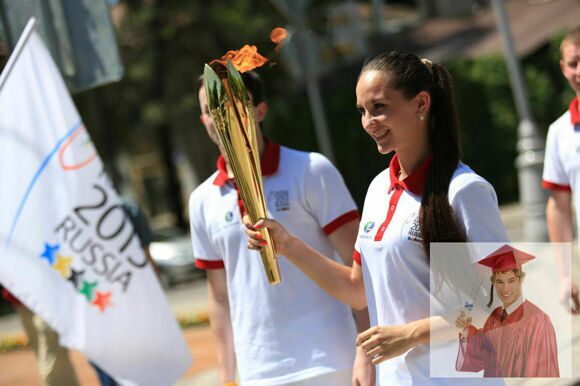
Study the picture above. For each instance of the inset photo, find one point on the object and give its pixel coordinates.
(499, 310)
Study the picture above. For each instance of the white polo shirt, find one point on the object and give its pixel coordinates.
(395, 266)
(562, 159)
(294, 330)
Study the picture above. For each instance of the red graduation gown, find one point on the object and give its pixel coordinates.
(524, 345)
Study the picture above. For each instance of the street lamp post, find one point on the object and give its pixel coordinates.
(530, 145)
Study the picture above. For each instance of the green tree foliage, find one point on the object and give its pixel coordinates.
(488, 114)
(488, 120)
(153, 110)
(165, 44)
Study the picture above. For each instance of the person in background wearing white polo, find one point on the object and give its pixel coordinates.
(562, 165)
(426, 195)
(293, 333)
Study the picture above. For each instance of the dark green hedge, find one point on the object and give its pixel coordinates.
(488, 114)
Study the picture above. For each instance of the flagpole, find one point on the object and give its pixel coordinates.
(17, 50)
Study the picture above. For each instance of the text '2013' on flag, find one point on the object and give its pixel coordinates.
(67, 249)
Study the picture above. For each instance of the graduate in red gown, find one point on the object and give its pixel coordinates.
(517, 339)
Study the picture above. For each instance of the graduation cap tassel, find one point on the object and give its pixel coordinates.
(490, 296)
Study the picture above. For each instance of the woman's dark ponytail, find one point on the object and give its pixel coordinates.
(411, 75)
(436, 217)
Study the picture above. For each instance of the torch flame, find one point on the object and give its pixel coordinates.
(278, 36)
(245, 59)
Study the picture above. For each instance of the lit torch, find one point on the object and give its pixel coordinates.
(232, 113)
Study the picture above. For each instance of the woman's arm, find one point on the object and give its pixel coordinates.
(343, 283)
(385, 342)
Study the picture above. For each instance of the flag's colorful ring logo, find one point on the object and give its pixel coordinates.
(66, 145)
(56, 149)
(229, 216)
(369, 226)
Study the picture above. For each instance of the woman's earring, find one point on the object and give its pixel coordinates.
(422, 117)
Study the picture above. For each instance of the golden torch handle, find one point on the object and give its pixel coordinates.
(233, 118)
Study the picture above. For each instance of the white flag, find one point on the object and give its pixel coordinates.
(67, 249)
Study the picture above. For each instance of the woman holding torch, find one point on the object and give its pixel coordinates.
(425, 195)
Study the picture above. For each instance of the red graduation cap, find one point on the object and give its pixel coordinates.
(506, 258)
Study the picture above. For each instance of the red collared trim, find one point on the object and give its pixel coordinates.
(340, 221)
(222, 176)
(209, 264)
(390, 212)
(271, 159)
(7, 295)
(558, 187)
(415, 182)
(357, 257)
(269, 163)
(241, 205)
(574, 113)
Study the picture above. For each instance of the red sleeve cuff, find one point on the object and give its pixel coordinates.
(552, 186)
(356, 257)
(209, 264)
(10, 298)
(340, 221)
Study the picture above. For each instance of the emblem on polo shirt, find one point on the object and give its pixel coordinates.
(414, 232)
(369, 226)
(279, 200)
(229, 216)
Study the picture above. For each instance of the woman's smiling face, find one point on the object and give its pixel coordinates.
(387, 116)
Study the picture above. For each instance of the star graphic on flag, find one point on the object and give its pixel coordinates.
(62, 265)
(103, 300)
(49, 252)
(75, 277)
(88, 288)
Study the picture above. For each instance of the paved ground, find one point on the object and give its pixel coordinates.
(19, 368)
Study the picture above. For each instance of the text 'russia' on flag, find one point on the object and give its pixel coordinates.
(67, 249)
